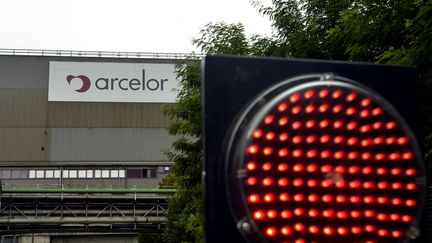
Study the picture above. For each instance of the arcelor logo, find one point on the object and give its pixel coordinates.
(85, 82)
(120, 83)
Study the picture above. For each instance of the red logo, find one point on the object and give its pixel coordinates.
(85, 82)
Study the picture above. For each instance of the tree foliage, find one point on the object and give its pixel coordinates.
(185, 216)
(391, 31)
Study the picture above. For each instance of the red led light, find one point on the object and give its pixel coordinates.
(337, 108)
(298, 167)
(355, 184)
(339, 155)
(267, 166)
(355, 214)
(311, 153)
(257, 133)
(296, 125)
(406, 218)
(298, 197)
(297, 139)
(286, 230)
(296, 110)
(356, 230)
(283, 182)
(366, 102)
(297, 153)
(282, 107)
(354, 169)
(328, 230)
(364, 113)
(283, 121)
(394, 156)
(297, 182)
(299, 227)
(267, 151)
(325, 154)
(410, 203)
(312, 168)
(341, 199)
(378, 140)
(295, 97)
(369, 213)
(271, 214)
(396, 201)
(366, 156)
(351, 96)
(313, 213)
(310, 139)
(353, 155)
(254, 198)
(283, 137)
(258, 215)
(355, 199)
(382, 217)
(252, 149)
(383, 185)
(351, 125)
(377, 111)
(251, 181)
(268, 119)
(323, 108)
(284, 197)
(368, 199)
(411, 172)
(365, 128)
(402, 140)
(370, 228)
(285, 214)
(309, 94)
(270, 136)
(324, 138)
(337, 94)
(380, 156)
(313, 198)
(395, 217)
(268, 197)
(323, 93)
(366, 142)
(350, 111)
(327, 198)
(326, 168)
(342, 215)
(313, 229)
(338, 139)
(342, 230)
(352, 141)
(411, 186)
(328, 213)
(368, 185)
(340, 169)
(310, 124)
(377, 125)
(382, 200)
(283, 152)
(383, 232)
(282, 167)
(327, 183)
(267, 181)
(407, 156)
(396, 233)
(312, 183)
(390, 125)
(271, 231)
(251, 165)
(381, 171)
(310, 108)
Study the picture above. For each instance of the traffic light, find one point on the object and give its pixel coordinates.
(311, 151)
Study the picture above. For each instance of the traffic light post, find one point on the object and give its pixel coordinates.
(311, 151)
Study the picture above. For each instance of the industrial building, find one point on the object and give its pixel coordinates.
(73, 121)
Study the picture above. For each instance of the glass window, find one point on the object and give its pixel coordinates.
(65, 173)
(105, 173)
(40, 174)
(114, 173)
(49, 174)
(98, 173)
(5, 174)
(133, 173)
(24, 174)
(57, 174)
(82, 173)
(16, 174)
(32, 174)
(166, 168)
(72, 174)
(89, 173)
(122, 173)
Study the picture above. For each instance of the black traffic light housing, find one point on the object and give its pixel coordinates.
(231, 84)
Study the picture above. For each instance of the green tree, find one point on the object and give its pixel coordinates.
(185, 216)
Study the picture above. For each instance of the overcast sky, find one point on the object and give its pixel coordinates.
(122, 25)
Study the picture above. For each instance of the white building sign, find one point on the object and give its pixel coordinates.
(112, 82)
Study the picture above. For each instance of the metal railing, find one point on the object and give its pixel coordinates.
(104, 54)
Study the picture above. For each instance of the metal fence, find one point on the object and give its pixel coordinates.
(105, 54)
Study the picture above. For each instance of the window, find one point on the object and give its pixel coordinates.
(65, 173)
(133, 173)
(49, 174)
(5, 174)
(72, 174)
(105, 173)
(57, 174)
(40, 174)
(166, 168)
(114, 173)
(122, 173)
(82, 173)
(98, 173)
(89, 173)
(32, 174)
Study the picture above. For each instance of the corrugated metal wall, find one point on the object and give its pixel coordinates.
(35, 130)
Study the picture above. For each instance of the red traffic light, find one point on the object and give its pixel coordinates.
(313, 158)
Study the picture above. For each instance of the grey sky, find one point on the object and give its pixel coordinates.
(127, 25)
